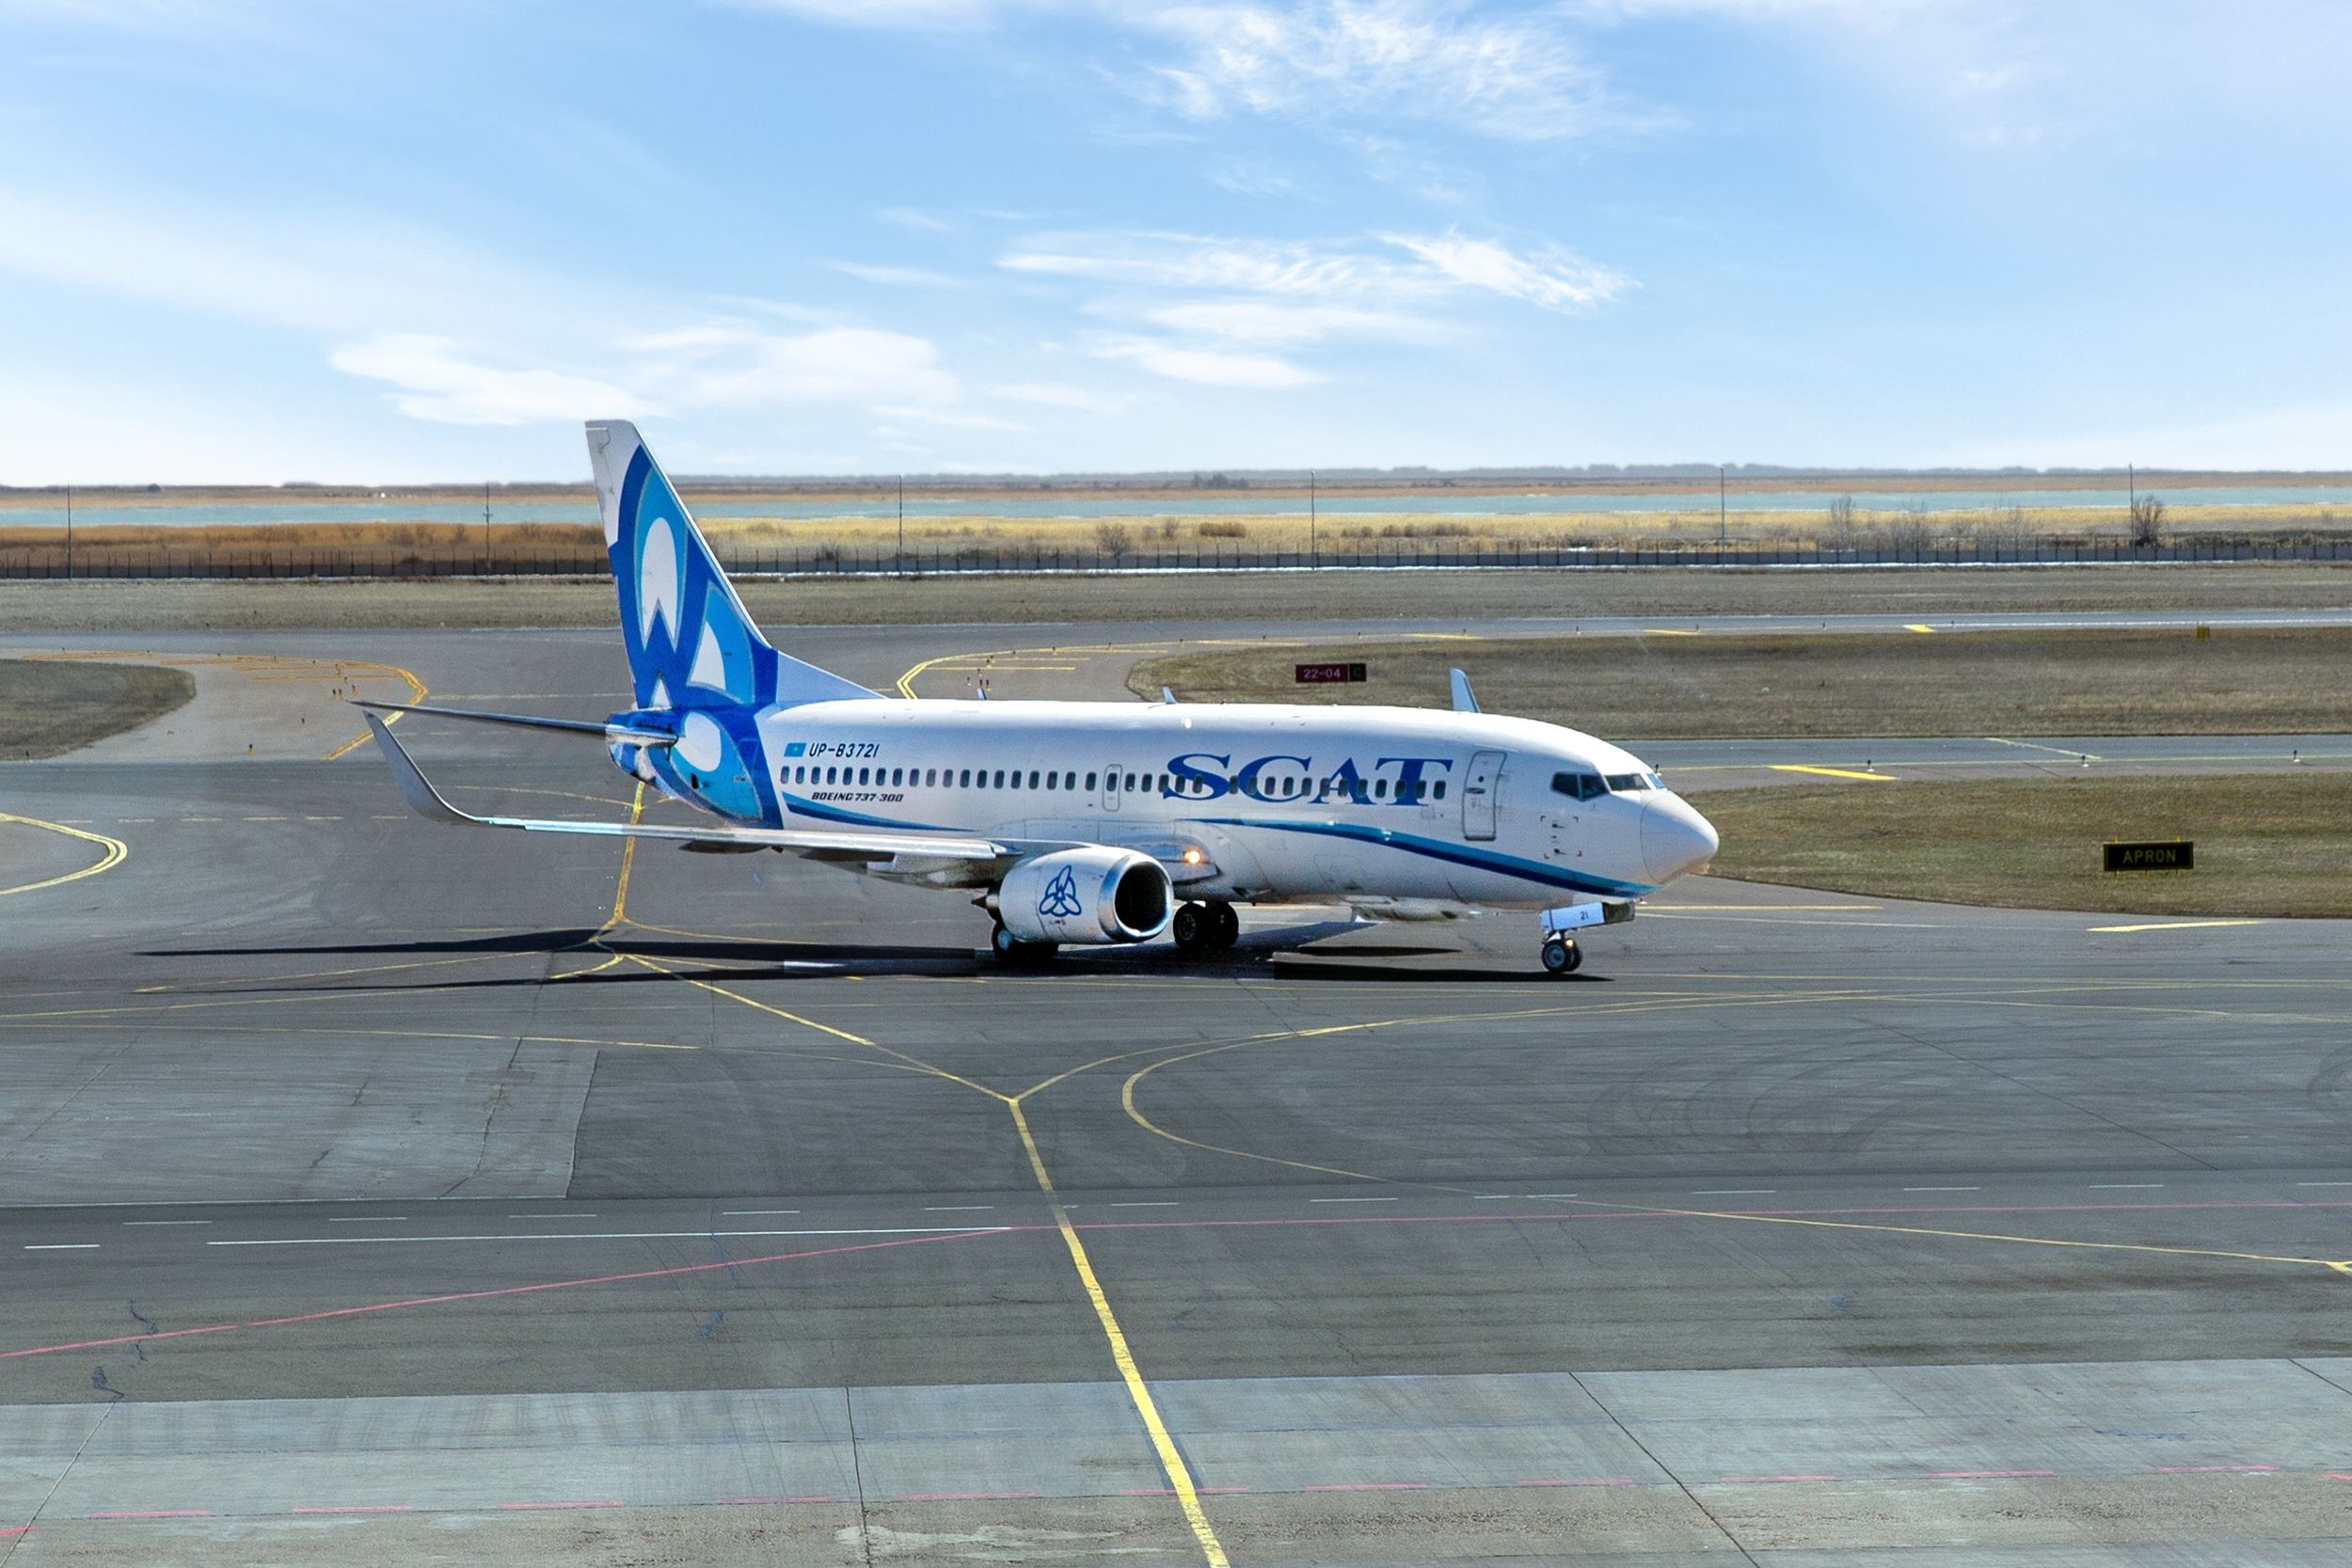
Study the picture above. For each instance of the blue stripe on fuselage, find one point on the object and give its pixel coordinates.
(1481, 860)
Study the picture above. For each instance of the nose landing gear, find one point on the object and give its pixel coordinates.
(1562, 956)
(1206, 929)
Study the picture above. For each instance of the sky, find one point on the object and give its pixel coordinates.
(324, 241)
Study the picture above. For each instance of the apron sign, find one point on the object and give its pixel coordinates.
(2177, 855)
(1316, 674)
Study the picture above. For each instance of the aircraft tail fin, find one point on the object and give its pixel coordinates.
(690, 642)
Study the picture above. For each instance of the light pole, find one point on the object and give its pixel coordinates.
(69, 532)
(1723, 522)
(485, 527)
(902, 524)
(1314, 556)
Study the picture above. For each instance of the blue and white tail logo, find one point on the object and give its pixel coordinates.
(1060, 900)
(690, 642)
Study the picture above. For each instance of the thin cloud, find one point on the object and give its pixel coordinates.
(1554, 278)
(898, 277)
(1514, 78)
(1206, 367)
(438, 381)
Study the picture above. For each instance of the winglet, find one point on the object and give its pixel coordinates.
(1167, 696)
(1463, 701)
(414, 787)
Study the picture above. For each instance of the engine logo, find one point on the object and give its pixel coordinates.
(1061, 898)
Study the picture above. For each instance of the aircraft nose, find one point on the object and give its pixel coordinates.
(1674, 837)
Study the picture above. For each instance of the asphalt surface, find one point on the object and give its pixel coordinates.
(376, 1189)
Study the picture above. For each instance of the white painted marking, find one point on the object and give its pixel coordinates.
(608, 1236)
(62, 1247)
(2323, 1183)
(1551, 1195)
(1489, 1198)
(1351, 1200)
(127, 1224)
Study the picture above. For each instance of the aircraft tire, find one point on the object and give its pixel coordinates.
(1225, 927)
(1562, 958)
(1194, 928)
(1012, 951)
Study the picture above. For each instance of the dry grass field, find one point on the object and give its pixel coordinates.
(48, 708)
(2269, 680)
(2268, 844)
(867, 529)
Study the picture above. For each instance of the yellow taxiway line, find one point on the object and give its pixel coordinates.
(114, 852)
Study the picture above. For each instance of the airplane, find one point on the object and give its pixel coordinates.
(1090, 823)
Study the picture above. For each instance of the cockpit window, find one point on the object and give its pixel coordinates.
(1630, 783)
(1579, 786)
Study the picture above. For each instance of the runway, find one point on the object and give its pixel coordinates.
(381, 1190)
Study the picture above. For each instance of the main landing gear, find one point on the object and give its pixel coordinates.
(1013, 952)
(1206, 928)
(1562, 956)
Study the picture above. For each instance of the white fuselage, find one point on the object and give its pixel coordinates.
(1372, 805)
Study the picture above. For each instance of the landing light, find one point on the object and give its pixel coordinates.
(1192, 857)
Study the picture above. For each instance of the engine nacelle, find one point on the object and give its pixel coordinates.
(1096, 895)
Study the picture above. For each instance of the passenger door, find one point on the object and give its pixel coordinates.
(1111, 788)
(1478, 794)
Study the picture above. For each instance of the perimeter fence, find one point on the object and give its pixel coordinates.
(142, 563)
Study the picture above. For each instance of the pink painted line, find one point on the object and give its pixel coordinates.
(961, 1497)
(1209, 1491)
(157, 1514)
(1579, 1481)
(20, 1529)
(2331, 1476)
(1773, 1479)
(1370, 1486)
(501, 1290)
(1982, 1475)
(2213, 1470)
(604, 1502)
(357, 1507)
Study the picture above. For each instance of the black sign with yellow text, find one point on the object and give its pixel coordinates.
(2178, 855)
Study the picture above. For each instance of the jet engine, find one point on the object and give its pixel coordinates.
(1095, 894)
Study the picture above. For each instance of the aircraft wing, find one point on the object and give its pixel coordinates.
(428, 802)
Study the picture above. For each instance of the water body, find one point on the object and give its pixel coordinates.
(1216, 504)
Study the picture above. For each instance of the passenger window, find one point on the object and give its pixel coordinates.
(1380, 789)
(862, 775)
(1130, 783)
(1000, 778)
(1033, 778)
(1089, 783)
(1052, 781)
(1441, 790)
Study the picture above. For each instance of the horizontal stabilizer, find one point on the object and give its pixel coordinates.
(529, 720)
